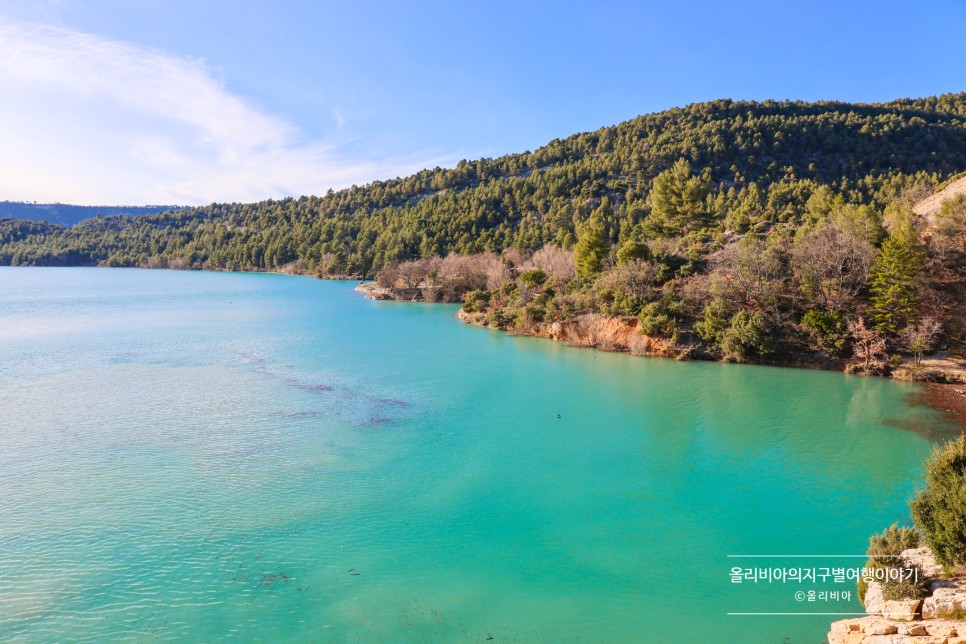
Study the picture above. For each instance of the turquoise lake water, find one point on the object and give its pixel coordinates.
(196, 456)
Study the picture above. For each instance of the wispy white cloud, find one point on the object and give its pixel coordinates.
(90, 120)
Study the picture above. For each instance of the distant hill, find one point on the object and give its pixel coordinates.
(779, 232)
(761, 164)
(68, 215)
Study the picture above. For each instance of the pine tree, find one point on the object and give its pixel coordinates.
(592, 248)
(894, 280)
(678, 201)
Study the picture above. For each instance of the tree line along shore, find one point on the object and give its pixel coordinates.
(823, 234)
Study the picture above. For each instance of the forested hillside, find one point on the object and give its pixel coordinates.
(68, 214)
(768, 232)
(757, 164)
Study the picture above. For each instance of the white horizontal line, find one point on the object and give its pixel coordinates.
(812, 556)
(753, 614)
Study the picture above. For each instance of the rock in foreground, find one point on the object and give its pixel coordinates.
(933, 620)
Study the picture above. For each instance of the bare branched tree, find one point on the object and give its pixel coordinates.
(496, 271)
(556, 262)
(635, 278)
(449, 279)
(920, 338)
(867, 346)
(389, 275)
(833, 264)
(518, 259)
(753, 271)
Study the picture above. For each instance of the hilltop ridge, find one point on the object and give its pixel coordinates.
(764, 161)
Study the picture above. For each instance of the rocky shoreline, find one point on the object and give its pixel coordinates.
(934, 619)
(593, 331)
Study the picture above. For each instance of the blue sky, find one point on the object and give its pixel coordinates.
(173, 101)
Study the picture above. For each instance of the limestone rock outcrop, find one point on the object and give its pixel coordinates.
(948, 598)
(878, 630)
(937, 619)
(595, 331)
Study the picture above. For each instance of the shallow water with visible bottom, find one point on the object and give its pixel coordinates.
(200, 456)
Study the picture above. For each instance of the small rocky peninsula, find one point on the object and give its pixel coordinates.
(937, 618)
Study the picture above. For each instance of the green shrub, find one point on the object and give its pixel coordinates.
(498, 318)
(713, 323)
(883, 547)
(655, 320)
(536, 313)
(957, 614)
(901, 588)
(665, 272)
(533, 278)
(688, 268)
(940, 510)
(675, 338)
(882, 550)
(622, 303)
(745, 336)
(544, 298)
(829, 330)
(476, 301)
(633, 251)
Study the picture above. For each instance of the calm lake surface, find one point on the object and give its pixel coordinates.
(198, 456)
